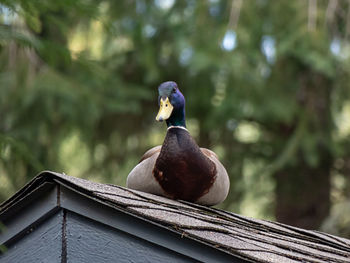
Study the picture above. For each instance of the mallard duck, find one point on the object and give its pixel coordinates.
(179, 169)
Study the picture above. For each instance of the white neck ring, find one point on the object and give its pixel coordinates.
(179, 127)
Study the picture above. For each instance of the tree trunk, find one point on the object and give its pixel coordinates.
(303, 186)
(303, 194)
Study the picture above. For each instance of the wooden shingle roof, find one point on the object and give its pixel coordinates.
(245, 238)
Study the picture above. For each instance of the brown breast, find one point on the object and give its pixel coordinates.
(181, 169)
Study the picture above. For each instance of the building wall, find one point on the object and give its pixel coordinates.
(90, 241)
(70, 237)
(40, 244)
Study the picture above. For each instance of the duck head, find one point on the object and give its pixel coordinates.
(171, 104)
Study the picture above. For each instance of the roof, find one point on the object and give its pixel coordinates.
(246, 238)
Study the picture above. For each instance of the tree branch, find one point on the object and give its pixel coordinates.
(312, 15)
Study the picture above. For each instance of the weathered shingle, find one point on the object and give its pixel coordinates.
(252, 239)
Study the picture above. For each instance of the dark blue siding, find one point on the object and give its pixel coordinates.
(90, 241)
(41, 244)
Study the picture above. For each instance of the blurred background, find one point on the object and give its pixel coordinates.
(267, 86)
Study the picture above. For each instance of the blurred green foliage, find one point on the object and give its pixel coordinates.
(266, 85)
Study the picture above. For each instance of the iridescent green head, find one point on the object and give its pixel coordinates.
(171, 104)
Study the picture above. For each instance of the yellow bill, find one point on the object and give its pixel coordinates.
(165, 110)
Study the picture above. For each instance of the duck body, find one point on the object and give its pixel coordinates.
(179, 169)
